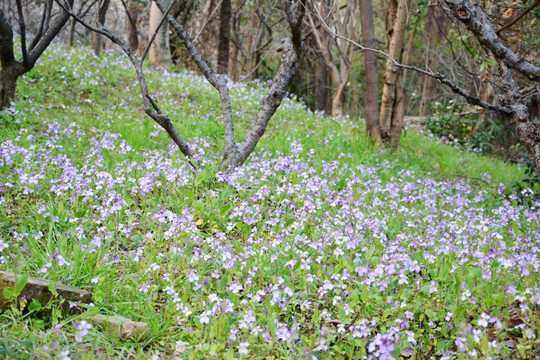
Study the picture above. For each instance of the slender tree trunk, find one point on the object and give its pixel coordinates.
(371, 101)
(97, 40)
(71, 32)
(391, 115)
(337, 100)
(160, 52)
(131, 29)
(224, 37)
(321, 86)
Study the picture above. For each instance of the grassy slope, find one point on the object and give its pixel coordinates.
(101, 97)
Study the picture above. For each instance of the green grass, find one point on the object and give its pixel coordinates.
(414, 202)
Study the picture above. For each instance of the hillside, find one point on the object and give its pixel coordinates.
(323, 245)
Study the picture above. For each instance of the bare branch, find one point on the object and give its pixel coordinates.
(476, 20)
(49, 34)
(41, 25)
(219, 82)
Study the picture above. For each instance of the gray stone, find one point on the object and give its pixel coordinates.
(120, 327)
(408, 351)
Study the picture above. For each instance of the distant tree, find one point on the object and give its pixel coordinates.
(335, 53)
(371, 102)
(101, 14)
(11, 68)
(160, 51)
(225, 16)
(511, 104)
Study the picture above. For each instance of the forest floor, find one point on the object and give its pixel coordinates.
(322, 246)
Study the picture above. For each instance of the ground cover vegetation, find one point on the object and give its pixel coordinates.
(322, 245)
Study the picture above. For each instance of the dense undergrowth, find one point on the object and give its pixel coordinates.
(322, 246)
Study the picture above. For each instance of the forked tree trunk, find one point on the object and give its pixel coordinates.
(224, 37)
(160, 52)
(391, 115)
(371, 102)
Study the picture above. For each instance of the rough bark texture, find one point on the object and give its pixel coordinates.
(224, 37)
(97, 41)
(160, 52)
(8, 83)
(371, 102)
(391, 115)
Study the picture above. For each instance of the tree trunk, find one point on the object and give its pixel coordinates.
(131, 29)
(97, 40)
(160, 52)
(337, 100)
(391, 115)
(371, 102)
(71, 32)
(224, 37)
(321, 85)
(8, 83)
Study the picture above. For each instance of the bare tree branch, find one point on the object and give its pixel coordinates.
(219, 82)
(476, 20)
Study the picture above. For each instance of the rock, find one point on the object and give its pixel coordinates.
(408, 351)
(38, 289)
(508, 343)
(120, 327)
(180, 348)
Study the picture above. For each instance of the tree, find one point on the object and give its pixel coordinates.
(371, 102)
(160, 52)
(225, 16)
(336, 53)
(11, 69)
(103, 6)
(393, 95)
(512, 106)
(234, 154)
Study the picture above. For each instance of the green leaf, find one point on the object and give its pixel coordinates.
(21, 283)
(34, 305)
(458, 314)
(9, 293)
